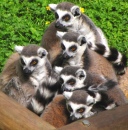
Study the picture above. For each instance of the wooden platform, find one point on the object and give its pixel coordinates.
(15, 117)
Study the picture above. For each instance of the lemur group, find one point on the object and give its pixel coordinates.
(74, 59)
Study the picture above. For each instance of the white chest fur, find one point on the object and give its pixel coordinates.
(77, 59)
(39, 77)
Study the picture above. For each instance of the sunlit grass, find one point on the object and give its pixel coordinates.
(24, 21)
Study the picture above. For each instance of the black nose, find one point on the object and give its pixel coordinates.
(73, 118)
(66, 56)
(64, 89)
(57, 25)
(27, 71)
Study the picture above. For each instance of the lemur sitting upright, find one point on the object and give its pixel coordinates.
(75, 78)
(31, 80)
(69, 18)
(83, 104)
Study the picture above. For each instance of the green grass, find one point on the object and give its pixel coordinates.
(24, 21)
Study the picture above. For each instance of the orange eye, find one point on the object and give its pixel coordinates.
(81, 110)
(72, 83)
(66, 18)
(73, 48)
(34, 62)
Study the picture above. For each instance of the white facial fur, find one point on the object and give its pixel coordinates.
(27, 61)
(75, 59)
(38, 71)
(79, 83)
(68, 45)
(62, 13)
(76, 106)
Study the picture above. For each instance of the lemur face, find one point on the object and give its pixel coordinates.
(72, 82)
(64, 19)
(79, 104)
(69, 49)
(31, 58)
(65, 14)
(72, 43)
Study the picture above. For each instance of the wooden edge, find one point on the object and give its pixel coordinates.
(15, 117)
(116, 119)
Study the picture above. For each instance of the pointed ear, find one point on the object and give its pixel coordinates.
(41, 52)
(90, 100)
(60, 34)
(75, 11)
(67, 95)
(18, 49)
(53, 7)
(81, 74)
(58, 69)
(81, 40)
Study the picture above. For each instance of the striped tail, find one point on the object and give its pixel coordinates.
(118, 60)
(42, 98)
(109, 84)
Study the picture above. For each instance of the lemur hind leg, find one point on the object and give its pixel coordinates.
(13, 89)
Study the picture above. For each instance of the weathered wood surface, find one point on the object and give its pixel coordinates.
(116, 119)
(15, 117)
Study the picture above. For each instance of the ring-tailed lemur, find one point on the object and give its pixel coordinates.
(74, 50)
(83, 104)
(69, 18)
(75, 78)
(53, 46)
(68, 42)
(33, 77)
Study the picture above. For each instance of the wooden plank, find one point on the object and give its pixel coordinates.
(116, 119)
(15, 117)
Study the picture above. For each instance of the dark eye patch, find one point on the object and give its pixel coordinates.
(56, 15)
(69, 108)
(90, 104)
(62, 46)
(66, 17)
(22, 61)
(81, 110)
(34, 62)
(61, 81)
(71, 81)
(73, 48)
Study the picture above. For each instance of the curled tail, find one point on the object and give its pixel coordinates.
(109, 84)
(103, 100)
(118, 60)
